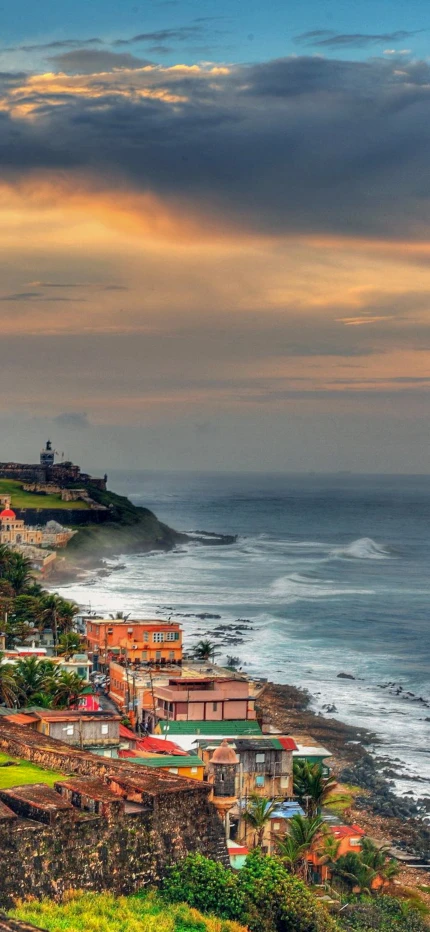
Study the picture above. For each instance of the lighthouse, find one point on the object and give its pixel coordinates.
(47, 455)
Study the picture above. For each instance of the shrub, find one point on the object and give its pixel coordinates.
(384, 913)
(263, 895)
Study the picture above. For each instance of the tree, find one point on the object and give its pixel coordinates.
(378, 860)
(312, 788)
(34, 676)
(9, 689)
(295, 847)
(19, 572)
(352, 874)
(57, 613)
(204, 650)
(257, 814)
(68, 644)
(119, 616)
(67, 689)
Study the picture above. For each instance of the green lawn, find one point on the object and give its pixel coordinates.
(23, 772)
(21, 499)
(102, 912)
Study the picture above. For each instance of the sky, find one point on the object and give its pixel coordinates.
(215, 234)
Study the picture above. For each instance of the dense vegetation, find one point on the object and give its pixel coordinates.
(106, 913)
(384, 913)
(263, 895)
(26, 609)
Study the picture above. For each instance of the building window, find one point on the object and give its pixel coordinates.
(172, 636)
(259, 780)
(276, 826)
(70, 729)
(355, 842)
(158, 654)
(173, 770)
(105, 729)
(194, 769)
(215, 707)
(171, 654)
(260, 758)
(158, 636)
(145, 636)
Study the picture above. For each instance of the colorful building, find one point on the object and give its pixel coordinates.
(215, 699)
(151, 641)
(185, 765)
(265, 764)
(14, 531)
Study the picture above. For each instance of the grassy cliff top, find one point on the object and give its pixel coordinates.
(21, 772)
(22, 499)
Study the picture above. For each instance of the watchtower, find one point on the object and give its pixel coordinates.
(47, 455)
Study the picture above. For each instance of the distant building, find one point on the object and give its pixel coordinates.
(214, 699)
(151, 641)
(13, 530)
(47, 470)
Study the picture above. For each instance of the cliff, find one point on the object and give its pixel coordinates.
(128, 529)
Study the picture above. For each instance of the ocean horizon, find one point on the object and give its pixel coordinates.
(330, 571)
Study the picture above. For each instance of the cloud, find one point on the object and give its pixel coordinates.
(325, 38)
(297, 145)
(94, 61)
(179, 34)
(75, 420)
(56, 44)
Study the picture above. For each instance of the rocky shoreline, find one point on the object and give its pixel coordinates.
(394, 819)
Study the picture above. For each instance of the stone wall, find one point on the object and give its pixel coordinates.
(64, 516)
(114, 826)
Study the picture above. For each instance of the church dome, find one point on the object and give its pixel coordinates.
(7, 513)
(224, 754)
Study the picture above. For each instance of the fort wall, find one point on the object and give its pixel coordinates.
(111, 826)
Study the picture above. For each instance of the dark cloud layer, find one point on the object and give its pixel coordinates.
(294, 145)
(95, 61)
(325, 38)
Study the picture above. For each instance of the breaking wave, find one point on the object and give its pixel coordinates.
(296, 588)
(362, 549)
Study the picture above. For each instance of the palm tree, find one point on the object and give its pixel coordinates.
(69, 644)
(378, 860)
(34, 676)
(353, 875)
(302, 835)
(57, 613)
(67, 689)
(204, 650)
(312, 788)
(19, 572)
(119, 616)
(9, 689)
(257, 814)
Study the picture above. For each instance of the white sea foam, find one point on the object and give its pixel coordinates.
(362, 549)
(295, 587)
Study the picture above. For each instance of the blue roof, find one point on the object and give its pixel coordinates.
(287, 810)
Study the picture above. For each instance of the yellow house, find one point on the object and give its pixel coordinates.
(14, 531)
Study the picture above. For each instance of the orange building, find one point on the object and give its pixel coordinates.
(151, 641)
(349, 838)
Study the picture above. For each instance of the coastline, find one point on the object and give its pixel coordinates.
(385, 816)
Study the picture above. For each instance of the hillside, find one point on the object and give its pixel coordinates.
(129, 529)
(33, 500)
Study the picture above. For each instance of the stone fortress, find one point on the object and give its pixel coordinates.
(49, 473)
(109, 825)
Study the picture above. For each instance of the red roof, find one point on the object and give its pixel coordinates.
(126, 733)
(124, 753)
(160, 746)
(7, 513)
(288, 744)
(344, 831)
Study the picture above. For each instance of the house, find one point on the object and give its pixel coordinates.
(275, 828)
(266, 764)
(215, 699)
(93, 731)
(185, 765)
(349, 839)
(13, 530)
(188, 735)
(150, 641)
(313, 753)
(77, 663)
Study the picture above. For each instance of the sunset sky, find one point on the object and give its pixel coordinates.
(215, 233)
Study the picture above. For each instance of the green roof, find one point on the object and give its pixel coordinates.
(168, 760)
(224, 729)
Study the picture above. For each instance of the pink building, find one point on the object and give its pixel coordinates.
(204, 699)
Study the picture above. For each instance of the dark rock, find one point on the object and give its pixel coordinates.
(345, 676)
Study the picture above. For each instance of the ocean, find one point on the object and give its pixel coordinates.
(331, 572)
